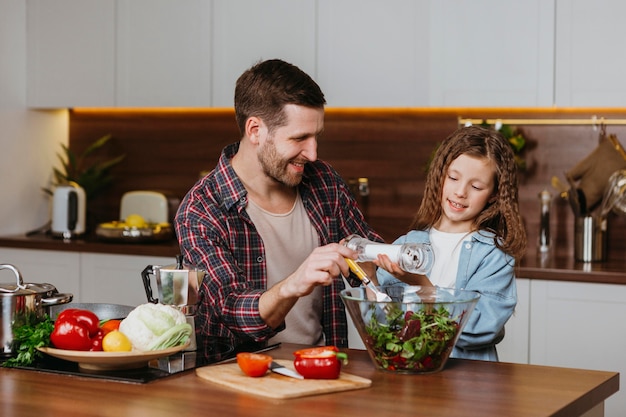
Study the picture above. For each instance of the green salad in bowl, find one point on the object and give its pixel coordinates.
(416, 331)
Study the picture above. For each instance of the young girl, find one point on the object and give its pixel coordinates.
(470, 215)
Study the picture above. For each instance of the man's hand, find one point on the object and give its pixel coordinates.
(320, 268)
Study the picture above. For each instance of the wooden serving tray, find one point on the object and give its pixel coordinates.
(276, 386)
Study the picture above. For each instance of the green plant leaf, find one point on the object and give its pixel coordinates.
(93, 178)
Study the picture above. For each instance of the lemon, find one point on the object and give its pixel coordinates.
(136, 220)
(116, 341)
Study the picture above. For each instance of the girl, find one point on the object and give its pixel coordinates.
(470, 215)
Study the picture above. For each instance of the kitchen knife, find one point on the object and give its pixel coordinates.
(283, 370)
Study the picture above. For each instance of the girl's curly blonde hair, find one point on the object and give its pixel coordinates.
(501, 214)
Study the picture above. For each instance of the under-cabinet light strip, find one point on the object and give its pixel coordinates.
(594, 121)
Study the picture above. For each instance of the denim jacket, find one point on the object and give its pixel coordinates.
(483, 268)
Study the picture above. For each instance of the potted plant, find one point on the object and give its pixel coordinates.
(92, 178)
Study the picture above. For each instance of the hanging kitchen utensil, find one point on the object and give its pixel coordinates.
(593, 172)
(614, 194)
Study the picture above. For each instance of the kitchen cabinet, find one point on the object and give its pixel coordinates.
(590, 64)
(61, 269)
(163, 53)
(400, 53)
(374, 53)
(124, 53)
(90, 277)
(116, 278)
(491, 53)
(514, 346)
(70, 53)
(403, 53)
(247, 31)
(578, 325)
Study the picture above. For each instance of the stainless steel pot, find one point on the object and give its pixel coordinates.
(20, 301)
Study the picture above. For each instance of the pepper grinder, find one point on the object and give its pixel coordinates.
(545, 199)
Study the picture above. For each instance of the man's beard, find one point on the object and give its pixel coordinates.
(275, 166)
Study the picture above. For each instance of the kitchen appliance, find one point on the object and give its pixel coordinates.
(20, 302)
(151, 205)
(177, 285)
(155, 210)
(68, 211)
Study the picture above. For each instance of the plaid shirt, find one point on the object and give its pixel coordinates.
(215, 233)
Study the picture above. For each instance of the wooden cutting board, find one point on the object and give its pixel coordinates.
(277, 386)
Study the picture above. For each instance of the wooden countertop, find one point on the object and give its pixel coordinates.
(558, 268)
(90, 244)
(463, 388)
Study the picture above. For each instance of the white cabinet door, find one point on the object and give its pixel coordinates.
(116, 278)
(491, 53)
(163, 53)
(70, 53)
(580, 325)
(374, 53)
(514, 346)
(247, 31)
(61, 269)
(590, 59)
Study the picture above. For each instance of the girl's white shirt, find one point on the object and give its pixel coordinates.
(446, 250)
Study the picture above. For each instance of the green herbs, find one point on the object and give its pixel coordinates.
(419, 340)
(31, 333)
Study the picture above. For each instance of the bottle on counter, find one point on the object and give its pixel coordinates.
(545, 198)
(416, 258)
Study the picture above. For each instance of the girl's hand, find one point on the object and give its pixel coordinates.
(394, 269)
(383, 261)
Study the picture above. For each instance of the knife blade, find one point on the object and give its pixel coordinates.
(283, 370)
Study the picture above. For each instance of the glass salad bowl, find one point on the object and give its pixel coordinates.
(415, 332)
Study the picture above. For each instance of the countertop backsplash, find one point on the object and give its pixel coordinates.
(168, 150)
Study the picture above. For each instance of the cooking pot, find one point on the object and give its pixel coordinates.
(20, 302)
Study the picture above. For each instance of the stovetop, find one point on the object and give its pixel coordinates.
(212, 351)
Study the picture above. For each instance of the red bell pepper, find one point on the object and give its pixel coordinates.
(76, 329)
(319, 362)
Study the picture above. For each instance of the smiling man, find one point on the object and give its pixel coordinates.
(267, 221)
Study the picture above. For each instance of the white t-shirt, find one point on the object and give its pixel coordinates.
(288, 239)
(447, 249)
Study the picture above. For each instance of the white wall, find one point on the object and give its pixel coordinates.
(29, 140)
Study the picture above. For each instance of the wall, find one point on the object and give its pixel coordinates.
(167, 150)
(28, 139)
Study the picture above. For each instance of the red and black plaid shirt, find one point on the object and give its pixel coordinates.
(215, 233)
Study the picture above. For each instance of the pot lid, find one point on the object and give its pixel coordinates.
(21, 288)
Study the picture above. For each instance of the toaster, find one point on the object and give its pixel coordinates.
(151, 205)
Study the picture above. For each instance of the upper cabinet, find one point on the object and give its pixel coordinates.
(590, 63)
(70, 53)
(491, 53)
(247, 31)
(374, 53)
(363, 53)
(126, 53)
(163, 53)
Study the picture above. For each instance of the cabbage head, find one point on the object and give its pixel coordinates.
(156, 327)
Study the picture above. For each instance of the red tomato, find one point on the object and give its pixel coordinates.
(254, 364)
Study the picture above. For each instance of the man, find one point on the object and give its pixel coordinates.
(267, 221)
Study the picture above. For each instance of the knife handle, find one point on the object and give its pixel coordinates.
(358, 271)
